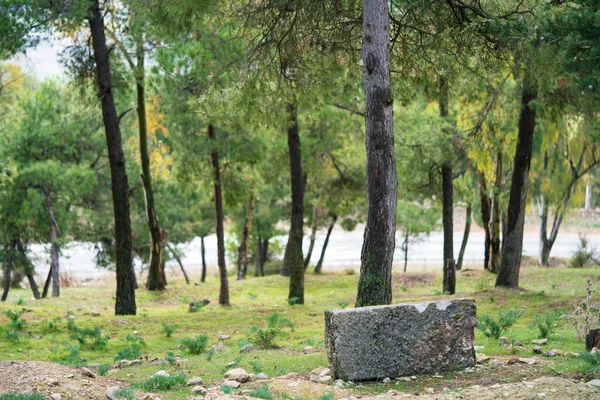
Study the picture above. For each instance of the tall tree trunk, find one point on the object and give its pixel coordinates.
(155, 277)
(496, 209)
(319, 266)
(512, 246)
(203, 252)
(313, 236)
(546, 242)
(377, 255)
(178, 259)
(224, 290)
(243, 247)
(542, 203)
(265, 256)
(257, 256)
(465, 239)
(54, 250)
(449, 280)
(485, 217)
(29, 270)
(125, 297)
(588, 196)
(47, 284)
(8, 270)
(293, 261)
(405, 249)
(447, 184)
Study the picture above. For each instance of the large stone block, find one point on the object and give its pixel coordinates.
(388, 341)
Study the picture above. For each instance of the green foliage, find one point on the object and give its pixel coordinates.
(226, 389)
(196, 306)
(256, 367)
(591, 362)
(170, 357)
(15, 326)
(494, 329)
(67, 354)
(343, 303)
(89, 338)
(168, 329)
(293, 300)
(195, 345)
(125, 393)
(50, 326)
(18, 396)
(584, 255)
(159, 383)
(265, 338)
(326, 396)
(104, 368)
(262, 392)
(133, 350)
(546, 323)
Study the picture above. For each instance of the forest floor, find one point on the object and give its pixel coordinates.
(45, 355)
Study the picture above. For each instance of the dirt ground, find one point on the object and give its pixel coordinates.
(50, 380)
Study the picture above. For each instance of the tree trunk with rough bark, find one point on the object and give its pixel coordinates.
(496, 209)
(313, 236)
(180, 263)
(485, 217)
(449, 280)
(8, 271)
(203, 253)
(405, 249)
(465, 239)
(54, 249)
(224, 289)
(243, 247)
(588, 196)
(447, 184)
(293, 260)
(512, 246)
(265, 256)
(125, 297)
(319, 266)
(47, 284)
(257, 256)
(377, 255)
(29, 270)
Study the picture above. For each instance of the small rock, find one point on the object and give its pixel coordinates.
(513, 360)
(537, 350)
(200, 390)
(528, 361)
(386, 380)
(231, 364)
(317, 371)
(404, 378)
(414, 377)
(325, 379)
(496, 363)
(95, 314)
(542, 394)
(219, 347)
(195, 381)
(87, 372)
(430, 390)
(135, 362)
(308, 349)
(573, 354)
(594, 350)
(262, 375)
(247, 348)
(56, 396)
(224, 337)
(481, 358)
(594, 382)
(233, 384)
(551, 353)
(69, 376)
(539, 342)
(338, 383)
(503, 341)
(478, 348)
(325, 372)
(149, 396)
(110, 393)
(237, 374)
(124, 363)
(206, 301)
(162, 372)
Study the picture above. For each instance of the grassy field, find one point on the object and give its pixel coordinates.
(46, 335)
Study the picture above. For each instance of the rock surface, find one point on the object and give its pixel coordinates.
(388, 341)
(238, 374)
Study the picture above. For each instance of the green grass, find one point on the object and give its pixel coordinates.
(14, 396)
(542, 291)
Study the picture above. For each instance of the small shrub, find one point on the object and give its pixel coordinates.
(21, 302)
(350, 271)
(50, 326)
(266, 337)
(584, 255)
(195, 345)
(170, 357)
(326, 396)
(585, 317)
(90, 338)
(210, 353)
(256, 367)
(495, 329)
(168, 329)
(293, 300)
(67, 354)
(125, 393)
(16, 322)
(483, 284)
(343, 304)
(591, 362)
(404, 288)
(545, 323)
(163, 383)
(103, 369)
(226, 389)
(133, 350)
(18, 396)
(262, 392)
(196, 306)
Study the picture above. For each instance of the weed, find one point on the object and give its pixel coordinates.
(50, 326)
(262, 392)
(195, 345)
(196, 306)
(226, 389)
(16, 322)
(584, 254)
(67, 354)
(81, 335)
(591, 362)
(495, 329)
(103, 369)
(326, 396)
(168, 329)
(492, 299)
(15, 396)
(349, 271)
(253, 296)
(21, 302)
(343, 304)
(483, 284)
(133, 350)
(125, 393)
(256, 367)
(585, 317)
(266, 337)
(163, 383)
(170, 357)
(404, 288)
(545, 323)
(210, 353)
(293, 300)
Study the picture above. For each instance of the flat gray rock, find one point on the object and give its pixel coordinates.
(389, 341)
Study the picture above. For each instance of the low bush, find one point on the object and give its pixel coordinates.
(195, 345)
(266, 337)
(495, 329)
(163, 383)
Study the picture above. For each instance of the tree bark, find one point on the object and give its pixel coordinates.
(465, 239)
(257, 256)
(224, 290)
(178, 259)
(29, 270)
(293, 261)
(264, 257)
(447, 184)
(485, 217)
(588, 196)
(495, 222)
(54, 249)
(8, 271)
(203, 251)
(512, 246)
(377, 255)
(405, 249)
(243, 247)
(47, 284)
(449, 281)
(319, 266)
(125, 297)
(313, 236)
